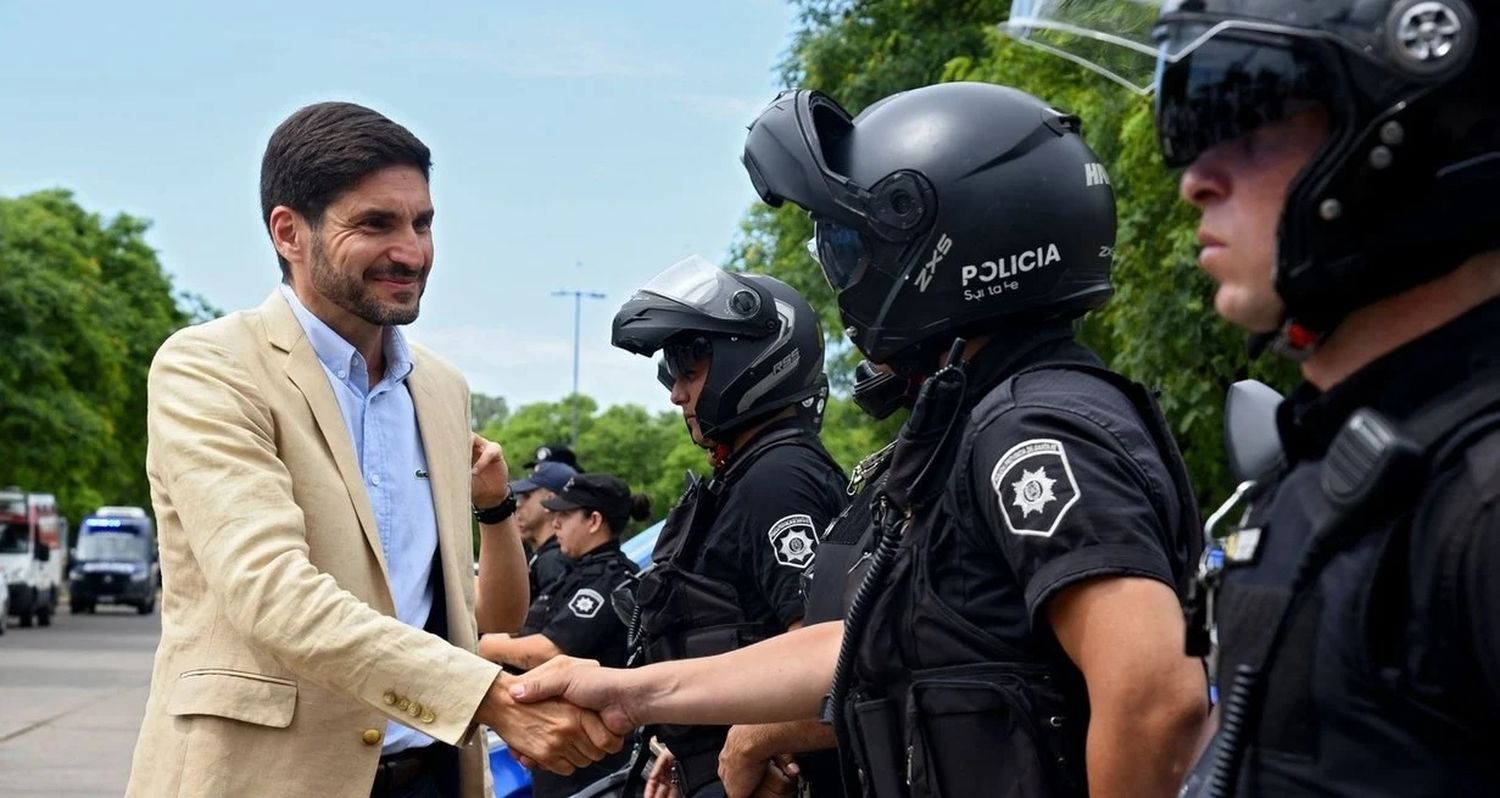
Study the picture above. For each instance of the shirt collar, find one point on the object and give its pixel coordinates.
(337, 353)
(1015, 350)
(602, 551)
(1397, 384)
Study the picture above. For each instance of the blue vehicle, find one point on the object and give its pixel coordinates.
(115, 561)
(512, 780)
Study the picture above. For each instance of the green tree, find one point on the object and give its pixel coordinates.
(84, 304)
(487, 411)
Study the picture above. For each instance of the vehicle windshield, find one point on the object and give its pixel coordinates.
(14, 538)
(112, 546)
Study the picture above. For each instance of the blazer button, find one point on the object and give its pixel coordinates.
(403, 704)
(389, 698)
(415, 710)
(371, 736)
(427, 716)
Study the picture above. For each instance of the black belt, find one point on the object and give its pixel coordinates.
(400, 770)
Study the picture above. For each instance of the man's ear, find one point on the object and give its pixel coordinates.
(290, 234)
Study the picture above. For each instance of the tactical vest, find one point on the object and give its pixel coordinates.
(682, 614)
(940, 708)
(1325, 694)
(843, 557)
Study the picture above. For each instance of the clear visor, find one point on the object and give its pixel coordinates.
(1123, 40)
(1111, 37)
(700, 285)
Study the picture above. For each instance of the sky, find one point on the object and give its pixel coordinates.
(576, 145)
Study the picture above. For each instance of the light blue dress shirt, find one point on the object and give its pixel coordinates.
(382, 423)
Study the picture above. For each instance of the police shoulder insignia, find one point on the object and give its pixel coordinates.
(792, 540)
(1035, 486)
(586, 603)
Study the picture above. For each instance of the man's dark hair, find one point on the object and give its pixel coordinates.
(322, 150)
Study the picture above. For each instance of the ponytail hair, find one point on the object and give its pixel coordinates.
(640, 506)
(640, 509)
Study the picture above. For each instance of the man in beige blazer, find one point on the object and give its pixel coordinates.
(311, 474)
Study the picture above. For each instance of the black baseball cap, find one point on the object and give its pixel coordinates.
(554, 453)
(604, 493)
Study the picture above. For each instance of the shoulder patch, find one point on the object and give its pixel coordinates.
(1035, 486)
(586, 603)
(792, 540)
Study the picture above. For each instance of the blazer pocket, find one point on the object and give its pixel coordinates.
(237, 695)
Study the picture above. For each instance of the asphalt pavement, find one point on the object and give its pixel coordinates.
(71, 700)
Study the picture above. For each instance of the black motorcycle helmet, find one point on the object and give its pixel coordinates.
(940, 210)
(1404, 189)
(763, 341)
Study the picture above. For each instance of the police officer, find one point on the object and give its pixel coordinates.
(743, 358)
(772, 756)
(1357, 611)
(547, 478)
(1019, 629)
(573, 616)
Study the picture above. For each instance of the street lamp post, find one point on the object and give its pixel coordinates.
(578, 297)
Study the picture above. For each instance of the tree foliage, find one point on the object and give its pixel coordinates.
(1159, 328)
(652, 452)
(487, 411)
(84, 304)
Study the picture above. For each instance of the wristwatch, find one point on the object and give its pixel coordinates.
(498, 513)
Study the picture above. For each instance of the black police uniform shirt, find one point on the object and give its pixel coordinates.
(1058, 479)
(1070, 485)
(1389, 681)
(547, 565)
(575, 612)
(767, 529)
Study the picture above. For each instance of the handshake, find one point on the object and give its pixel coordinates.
(561, 716)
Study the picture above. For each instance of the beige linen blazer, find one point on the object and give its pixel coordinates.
(280, 657)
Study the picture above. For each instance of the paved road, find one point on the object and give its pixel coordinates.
(71, 698)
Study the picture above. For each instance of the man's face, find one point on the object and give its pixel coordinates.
(372, 251)
(531, 517)
(1240, 186)
(685, 391)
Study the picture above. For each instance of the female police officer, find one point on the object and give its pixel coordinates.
(1018, 632)
(572, 615)
(1346, 159)
(743, 358)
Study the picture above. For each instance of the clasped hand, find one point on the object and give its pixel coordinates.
(548, 732)
(569, 685)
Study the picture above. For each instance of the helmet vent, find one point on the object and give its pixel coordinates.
(1431, 36)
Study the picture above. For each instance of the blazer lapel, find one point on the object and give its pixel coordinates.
(306, 372)
(445, 440)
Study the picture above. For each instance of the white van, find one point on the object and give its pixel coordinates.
(30, 554)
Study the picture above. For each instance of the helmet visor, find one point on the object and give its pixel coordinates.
(706, 289)
(679, 358)
(1111, 37)
(1131, 42)
(841, 252)
(1231, 85)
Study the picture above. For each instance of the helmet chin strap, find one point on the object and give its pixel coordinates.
(718, 454)
(1293, 341)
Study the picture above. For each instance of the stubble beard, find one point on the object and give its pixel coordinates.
(351, 293)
